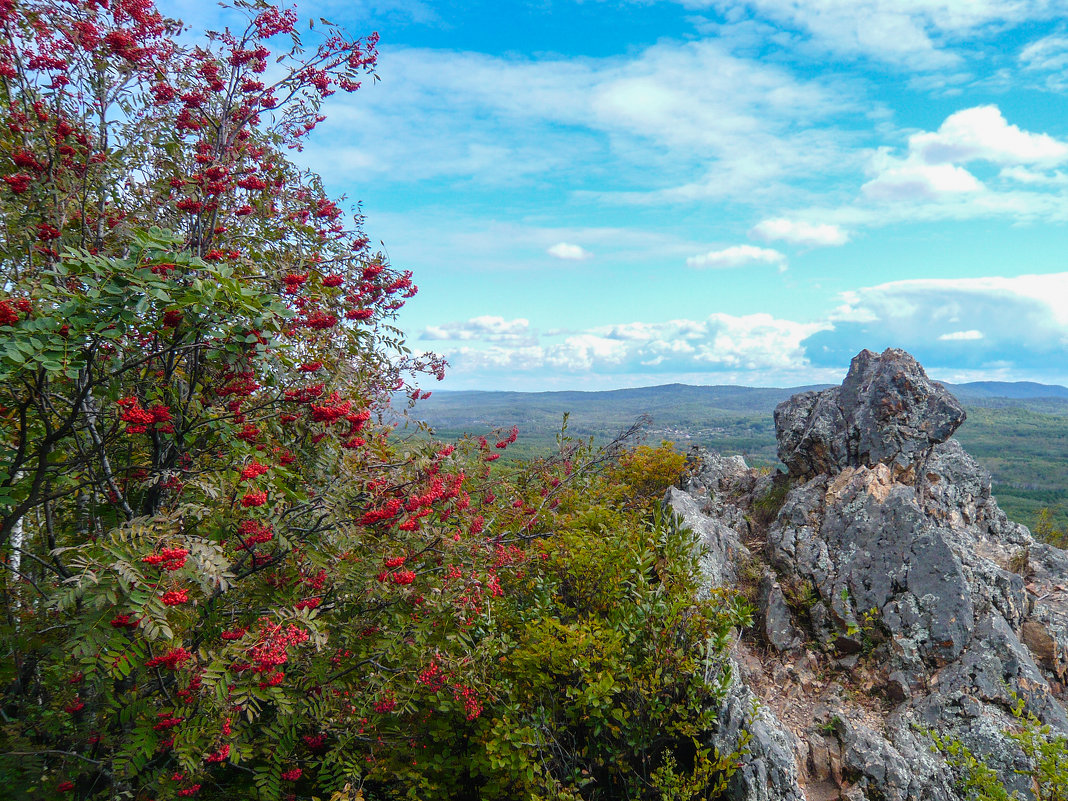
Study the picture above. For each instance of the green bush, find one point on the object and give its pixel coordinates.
(606, 673)
(1047, 530)
(1047, 754)
(642, 475)
(766, 508)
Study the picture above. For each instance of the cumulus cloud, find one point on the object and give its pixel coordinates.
(717, 343)
(568, 252)
(754, 341)
(492, 361)
(909, 180)
(973, 323)
(737, 256)
(485, 328)
(799, 232)
(586, 351)
(975, 165)
(982, 134)
(1024, 175)
(931, 169)
(723, 341)
(994, 327)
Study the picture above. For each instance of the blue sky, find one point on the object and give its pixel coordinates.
(607, 194)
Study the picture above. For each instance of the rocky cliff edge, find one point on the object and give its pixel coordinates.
(895, 600)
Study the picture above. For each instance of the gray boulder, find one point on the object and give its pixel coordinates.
(886, 411)
(779, 629)
(721, 549)
(768, 770)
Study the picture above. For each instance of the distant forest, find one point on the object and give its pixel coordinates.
(1017, 431)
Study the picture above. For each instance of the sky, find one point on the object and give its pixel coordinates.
(597, 195)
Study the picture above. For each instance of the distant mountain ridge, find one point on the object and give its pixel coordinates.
(1017, 430)
(989, 389)
(449, 406)
(726, 396)
(1019, 390)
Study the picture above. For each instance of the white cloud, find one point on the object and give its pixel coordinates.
(425, 238)
(491, 361)
(852, 309)
(492, 118)
(994, 327)
(637, 332)
(922, 182)
(568, 252)
(1048, 54)
(799, 232)
(929, 181)
(911, 34)
(586, 351)
(1025, 175)
(719, 342)
(487, 328)
(737, 256)
(699, 97)
(659, 117)
(755, 341)
(967, 323)
(982, 134)
(1046, 291)
(910, 181)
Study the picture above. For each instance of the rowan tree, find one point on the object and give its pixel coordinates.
(223, 576)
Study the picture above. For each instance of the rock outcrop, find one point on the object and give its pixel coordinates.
(886, 412)
(895, 599)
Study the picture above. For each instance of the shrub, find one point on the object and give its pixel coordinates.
(1046, 529)
(642, 475)
(766, 508)
(1047, 755)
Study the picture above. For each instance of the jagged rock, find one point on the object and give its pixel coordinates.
(899, 686)
(723, 484)
(814, 433)
(875, 551)
(995, 666)
(918, 582)
(779, 629)
(955, 490)
(1049, 603)
(768, 769)
(886, 411)
(722, 548)
(1042, 646)
(709, 470)
(900, 768)
(877, 763)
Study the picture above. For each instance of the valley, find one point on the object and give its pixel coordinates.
(1017, 431)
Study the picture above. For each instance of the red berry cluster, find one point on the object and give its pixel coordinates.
(167, 559)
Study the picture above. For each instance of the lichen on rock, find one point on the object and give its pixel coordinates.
(886, 411)
(927, 609)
